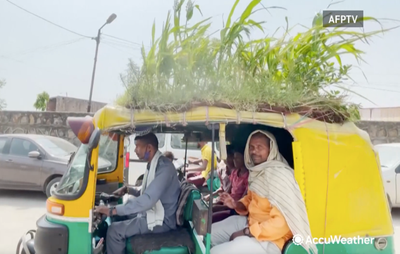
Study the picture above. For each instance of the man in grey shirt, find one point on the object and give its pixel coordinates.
(165, 187)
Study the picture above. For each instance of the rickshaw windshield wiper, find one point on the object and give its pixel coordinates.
(66, 189)
(88, 163)
(71, 155)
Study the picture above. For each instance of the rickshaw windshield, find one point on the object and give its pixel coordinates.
(73, 180)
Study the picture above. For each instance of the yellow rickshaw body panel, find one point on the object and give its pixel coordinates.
(82, 207)
(343, 187)
(335, 164)
(118, 174)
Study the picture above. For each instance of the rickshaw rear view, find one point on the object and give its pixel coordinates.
(334, 165)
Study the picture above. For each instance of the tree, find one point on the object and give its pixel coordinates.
(2, 101)
(41, 101)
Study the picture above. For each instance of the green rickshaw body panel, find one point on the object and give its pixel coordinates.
(171, 250)
(194, 195)
(80, 240)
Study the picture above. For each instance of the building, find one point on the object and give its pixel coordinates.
(380, 114)
(68, 104)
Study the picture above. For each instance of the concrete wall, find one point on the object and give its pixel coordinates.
(69, 104)
(47, 123)
(54, 124)
(381, 132)
(380, 114)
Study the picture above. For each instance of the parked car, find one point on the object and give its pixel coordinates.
(33, 162)
(389, 156)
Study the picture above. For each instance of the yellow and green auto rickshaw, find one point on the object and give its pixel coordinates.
(335, 165)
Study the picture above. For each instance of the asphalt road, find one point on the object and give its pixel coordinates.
(19, 211)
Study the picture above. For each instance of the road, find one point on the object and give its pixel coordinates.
(19, 211)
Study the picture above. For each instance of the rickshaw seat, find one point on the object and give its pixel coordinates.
(172, 242)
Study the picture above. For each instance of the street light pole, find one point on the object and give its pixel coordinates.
(109, 20)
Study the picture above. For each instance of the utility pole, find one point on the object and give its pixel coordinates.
(109, 20)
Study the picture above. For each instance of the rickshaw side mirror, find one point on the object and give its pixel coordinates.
(94, 139)
(82, 127)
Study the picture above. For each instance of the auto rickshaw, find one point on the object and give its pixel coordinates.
(334, 164)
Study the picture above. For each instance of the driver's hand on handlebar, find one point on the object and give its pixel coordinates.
(102, 209)
(121, 191)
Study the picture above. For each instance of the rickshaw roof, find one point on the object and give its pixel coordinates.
(113, 118)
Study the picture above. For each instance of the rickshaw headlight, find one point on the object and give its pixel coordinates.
(380, 243)
(54, 208)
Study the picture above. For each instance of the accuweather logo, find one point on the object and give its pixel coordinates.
(299, 239)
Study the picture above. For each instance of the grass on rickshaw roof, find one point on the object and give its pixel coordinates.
(187, 67)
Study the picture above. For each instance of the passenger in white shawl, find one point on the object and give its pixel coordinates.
(274, 179)
(274, 206)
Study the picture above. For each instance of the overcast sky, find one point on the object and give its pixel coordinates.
(36, 56)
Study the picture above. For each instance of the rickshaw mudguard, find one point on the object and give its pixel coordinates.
(79, 239)
(51, 237)
(340, 248)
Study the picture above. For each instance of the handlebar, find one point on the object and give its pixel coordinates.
(98, 219)
(106, 198)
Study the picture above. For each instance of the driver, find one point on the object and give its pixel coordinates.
(154, 209)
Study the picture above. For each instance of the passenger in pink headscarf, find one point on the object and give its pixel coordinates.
(239, 183)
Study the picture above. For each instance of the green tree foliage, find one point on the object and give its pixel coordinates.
(41, 101)
(186, 65)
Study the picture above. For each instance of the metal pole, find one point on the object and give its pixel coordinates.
(94, 69)
(210, 203)
(184, 167)
(94, 66)
(109, 20)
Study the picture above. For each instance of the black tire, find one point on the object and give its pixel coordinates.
(50, 184)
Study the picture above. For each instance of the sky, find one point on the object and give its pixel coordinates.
(36, 56)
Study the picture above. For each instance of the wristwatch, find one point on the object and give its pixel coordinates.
(110, 214)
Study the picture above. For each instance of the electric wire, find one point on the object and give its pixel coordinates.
(48, 21)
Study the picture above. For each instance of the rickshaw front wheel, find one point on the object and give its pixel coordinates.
(31, 247)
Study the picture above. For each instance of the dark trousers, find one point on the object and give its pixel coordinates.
(222, 215)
